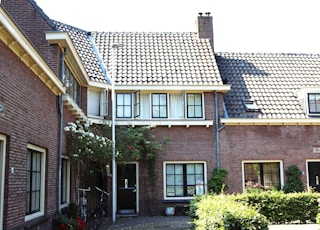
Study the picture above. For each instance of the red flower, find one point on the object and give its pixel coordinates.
(63, 227)
(130, 146)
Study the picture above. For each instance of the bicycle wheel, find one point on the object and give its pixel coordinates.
(95, 219)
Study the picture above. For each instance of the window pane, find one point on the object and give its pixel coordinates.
(191, 190)
(163, 99)
(178, 169)
(163, 111)
(190, 168)
(178, 179)
(199, 168)
(120, 99)
(197, 100)
(191, 180)
(155, 99)
(179, 191)
(127, 99)
(170, 169)
(127, 112)
(198, 111)
(170, 179)
(171, 191)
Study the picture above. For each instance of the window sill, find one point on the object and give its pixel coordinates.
(164, 122)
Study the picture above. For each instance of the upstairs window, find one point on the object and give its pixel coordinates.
(194, 101)
(72, 86)
(159, 105)
(124, 105)
(314, 103)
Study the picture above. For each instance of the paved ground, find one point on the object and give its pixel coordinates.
(180, 222)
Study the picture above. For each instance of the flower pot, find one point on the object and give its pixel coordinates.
(169, 211)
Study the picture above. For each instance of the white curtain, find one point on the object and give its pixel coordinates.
(176, 106)
(144, 105)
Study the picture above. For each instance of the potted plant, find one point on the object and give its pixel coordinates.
(169, 210)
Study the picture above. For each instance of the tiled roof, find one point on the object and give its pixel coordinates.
(86, 51)
(165, 59)
(271, 80)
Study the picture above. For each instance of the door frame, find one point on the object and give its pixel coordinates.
(307, 170)
(2, 174)
(137, 185)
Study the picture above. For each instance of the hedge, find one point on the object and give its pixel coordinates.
(280, 208)
(224, 213)
(253, 210)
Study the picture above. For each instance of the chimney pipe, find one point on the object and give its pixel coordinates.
(204, 27)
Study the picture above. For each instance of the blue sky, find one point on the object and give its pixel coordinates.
(272, 26)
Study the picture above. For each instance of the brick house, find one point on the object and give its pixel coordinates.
(167, 80)
(271, 119)
(35, 104)
(251, 114)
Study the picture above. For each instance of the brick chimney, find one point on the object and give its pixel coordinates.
(204, 27)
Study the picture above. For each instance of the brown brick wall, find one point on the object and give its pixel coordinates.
(30, 117)
(185, 144)
(290, 144)
(33, 22)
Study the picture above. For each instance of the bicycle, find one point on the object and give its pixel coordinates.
(83, 203)
(97, 215)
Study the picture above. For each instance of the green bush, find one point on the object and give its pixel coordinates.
(224, 213)
(216, 184)
(279, 207)
(294, 183)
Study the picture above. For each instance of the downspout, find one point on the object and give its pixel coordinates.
(218, 129)
(60, 132)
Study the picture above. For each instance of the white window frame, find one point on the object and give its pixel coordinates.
(43, 180)
(308, 104)
(263, 161)
(186, 106)
(183, 162)
(303, 97)
(3, 143)
(131, 105)
(67, 189)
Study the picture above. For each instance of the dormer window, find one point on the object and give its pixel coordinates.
(250, 105)
(314, 103)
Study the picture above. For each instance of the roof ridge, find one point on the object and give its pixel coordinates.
(270, 54)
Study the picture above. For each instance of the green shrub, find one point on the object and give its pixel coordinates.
(294, 183)
(224, 213)
(279, 207)
(216, 184)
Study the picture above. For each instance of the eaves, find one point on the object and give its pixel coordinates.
(15, 40)
(269, 121)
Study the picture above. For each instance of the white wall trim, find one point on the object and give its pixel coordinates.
(2, 173)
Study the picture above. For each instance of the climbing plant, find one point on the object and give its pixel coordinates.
(89, 145)
(216, 183)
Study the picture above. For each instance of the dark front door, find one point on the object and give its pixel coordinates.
(314, 175)
(126, 184)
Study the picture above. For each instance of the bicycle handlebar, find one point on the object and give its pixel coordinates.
(100, 190)
(84, 189)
